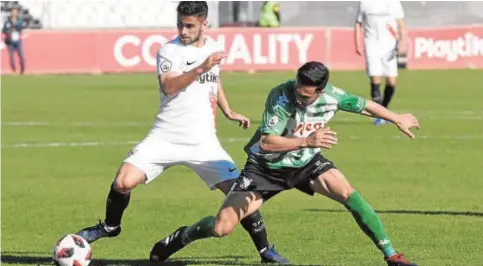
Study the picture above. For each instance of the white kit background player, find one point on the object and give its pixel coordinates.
(184, 131)
(384, 37)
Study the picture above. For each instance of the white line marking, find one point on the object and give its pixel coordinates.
(225, 140)
(72, 124)
(69, 144)
(432, 115)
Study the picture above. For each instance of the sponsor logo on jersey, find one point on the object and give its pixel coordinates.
(273, 121)
(282, 100)
(165, 65)
(207, 77)
(307, 127)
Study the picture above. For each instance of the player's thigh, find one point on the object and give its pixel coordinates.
(214, 165)
(374, 67)
(333, 184)
(152, 156)
(390, 70)
(240, 204)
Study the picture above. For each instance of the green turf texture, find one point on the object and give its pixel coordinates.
(428, 191)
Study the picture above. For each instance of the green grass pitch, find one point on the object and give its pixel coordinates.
(63, 138)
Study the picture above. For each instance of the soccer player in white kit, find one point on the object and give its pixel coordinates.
(184, 131)
(384, 37)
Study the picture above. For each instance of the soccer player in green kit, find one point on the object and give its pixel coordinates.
(285, 153)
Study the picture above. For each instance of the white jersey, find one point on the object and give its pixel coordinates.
(379, 20)
(188, 117)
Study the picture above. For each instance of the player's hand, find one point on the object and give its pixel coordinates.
(359, 50)
(405, 122)
(402, 47)
(243, 121)
(212, 60)
(322, 138)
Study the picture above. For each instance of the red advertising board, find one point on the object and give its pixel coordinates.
(248, 49)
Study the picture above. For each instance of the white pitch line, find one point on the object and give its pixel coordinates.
(147, 124)
(71, 124)
(69, 144)
(225, 140)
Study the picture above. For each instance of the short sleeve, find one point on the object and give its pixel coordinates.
(276, 114)
(167, 60)
(360, 14)
(397, 10)
(347, 101)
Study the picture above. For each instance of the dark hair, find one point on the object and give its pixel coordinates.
(193, 8)
(313, 73)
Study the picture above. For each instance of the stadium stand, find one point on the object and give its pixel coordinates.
(30, 21)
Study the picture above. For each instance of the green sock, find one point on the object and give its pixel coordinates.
(370, 223)
(199, 230)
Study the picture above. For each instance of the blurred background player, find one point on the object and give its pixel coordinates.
(384, 38)
(12, 37)
(270, 15)
(184, 132)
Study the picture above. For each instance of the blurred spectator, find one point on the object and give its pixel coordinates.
(270, 16)
(385, 38)
(12, 37)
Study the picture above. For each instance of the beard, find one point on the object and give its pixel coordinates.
(191, 41)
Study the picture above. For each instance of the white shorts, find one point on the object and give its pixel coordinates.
(382, 65)
(209, 160)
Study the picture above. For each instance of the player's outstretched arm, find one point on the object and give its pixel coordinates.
(225, 108)
(405, 122)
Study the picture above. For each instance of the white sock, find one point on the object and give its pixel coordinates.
(110, 228)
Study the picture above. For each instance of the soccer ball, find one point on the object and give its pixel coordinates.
(72, 250)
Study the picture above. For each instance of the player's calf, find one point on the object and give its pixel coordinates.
(333, 184)
(127, 178)
(389, 91)
(227, 219)
(376, 95)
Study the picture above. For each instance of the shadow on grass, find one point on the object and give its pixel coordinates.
(19, 258)
(417, 212)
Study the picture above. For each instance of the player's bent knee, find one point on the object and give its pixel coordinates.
(225, 222)
(223, 227)
(375, 79)
(128, 178)
(391, 81)
(334, 184)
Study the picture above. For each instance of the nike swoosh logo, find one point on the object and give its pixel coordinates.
(190, 63)
(232, 169)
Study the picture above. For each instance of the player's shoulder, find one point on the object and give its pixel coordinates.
(213, 44)
(282, 94)
(332, 90)
(329, 88)
(171, 47)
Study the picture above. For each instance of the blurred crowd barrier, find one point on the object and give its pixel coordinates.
(248, 49)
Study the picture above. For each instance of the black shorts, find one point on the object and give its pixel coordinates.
(269, 182)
